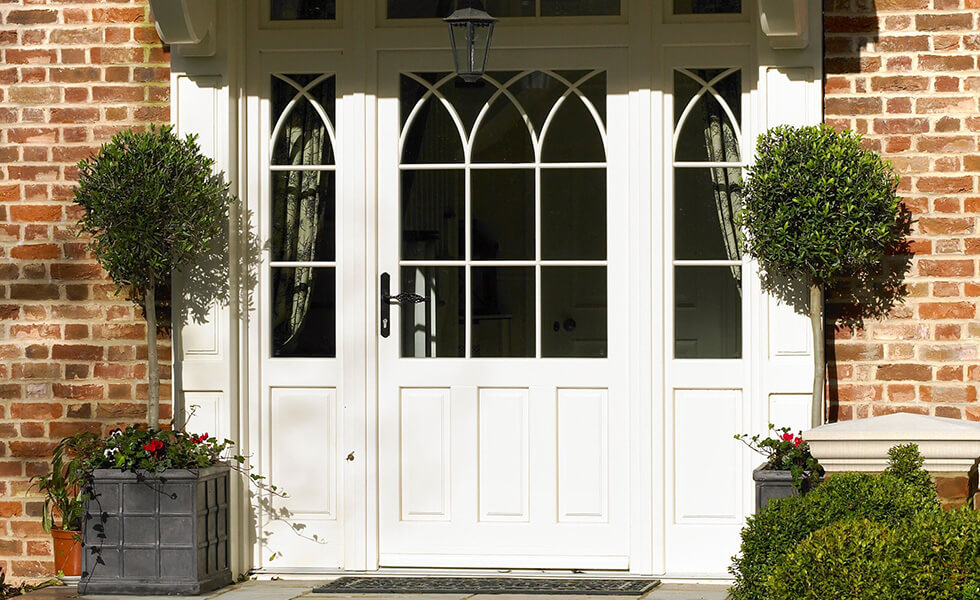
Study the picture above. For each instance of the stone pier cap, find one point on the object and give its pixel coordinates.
(947, 445)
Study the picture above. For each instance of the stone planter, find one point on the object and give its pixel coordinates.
(165, 534)
(771, 485)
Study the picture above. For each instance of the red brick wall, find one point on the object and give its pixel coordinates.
(71, 353)
(904, 74)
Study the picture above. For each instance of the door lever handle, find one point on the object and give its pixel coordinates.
(403, 299)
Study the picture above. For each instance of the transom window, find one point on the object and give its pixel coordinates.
(303, 216)
(707, 194)
(431, 9)
(503, 214)
(702, 7)
(303, 10)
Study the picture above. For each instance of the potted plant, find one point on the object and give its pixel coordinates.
(156, 515)
(64, 503)
(789, 469)
(820, 209)
(153, 204)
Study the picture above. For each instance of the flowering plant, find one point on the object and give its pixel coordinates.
(785, 451)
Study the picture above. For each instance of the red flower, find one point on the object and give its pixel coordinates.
(797, 442)
(153, 446)
(787, 437)
(197, 439)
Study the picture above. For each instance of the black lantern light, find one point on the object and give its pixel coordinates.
(470, 30)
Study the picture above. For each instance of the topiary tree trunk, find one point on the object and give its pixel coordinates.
(152, 358)
(819, 362)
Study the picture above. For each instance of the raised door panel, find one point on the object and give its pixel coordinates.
(425, 462)
(583, 455)
(503, 454)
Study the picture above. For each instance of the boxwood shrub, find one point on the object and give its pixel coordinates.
(934, 555)
(896, 496)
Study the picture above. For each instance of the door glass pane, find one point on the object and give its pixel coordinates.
(436, 327)
(707, 312)
(302, 135)
(708, 132)
(433, 215)
(574, 8)
(502, 209)
(433, 136)
(573, 214)
(431, 9)
(503, 135)
(573, 312)
(537, 92)
(503, 312)
(288, 10)
(303, 216)
(696, 7)
(706, 202)
(573, 135)
(304, 312)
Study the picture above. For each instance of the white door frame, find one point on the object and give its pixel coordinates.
(647, 34)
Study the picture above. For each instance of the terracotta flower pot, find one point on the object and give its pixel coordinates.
(67, 552)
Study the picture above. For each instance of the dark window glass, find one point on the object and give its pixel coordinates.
(431, 9)
(502, 209)
(707, 312)
(291, 10)
(304, 312)
(433, 215)
(303, 216)
(708, 132)
(302, 137)
(433, 136)
(573, 214)
(573, 312)
(701, 7)
(578, 8)
(503, 312)
(435, 328)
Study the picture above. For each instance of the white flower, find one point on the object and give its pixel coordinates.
(110, 452)
(115, 433)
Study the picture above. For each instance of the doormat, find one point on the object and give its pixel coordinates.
(487, 585)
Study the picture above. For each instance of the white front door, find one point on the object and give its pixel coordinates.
(504, 427)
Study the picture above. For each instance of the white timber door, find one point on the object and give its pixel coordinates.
(503, 353)
(300, 274)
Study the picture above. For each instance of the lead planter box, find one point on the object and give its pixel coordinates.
(771, 485)
(164, 534)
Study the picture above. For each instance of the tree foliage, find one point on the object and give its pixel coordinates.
(152, 204)
(818, 206)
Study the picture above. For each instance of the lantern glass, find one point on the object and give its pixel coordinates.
(470, 33)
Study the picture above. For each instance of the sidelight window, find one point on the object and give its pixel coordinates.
(707, 253)
(303, 216)
(503, 215)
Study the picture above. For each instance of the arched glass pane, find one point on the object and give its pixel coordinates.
(537, 92)
(700, 7)
(573, 135)
(291, 10)
(469, 98)
(432, 136)
(503, 136)
(302, 137)
(707, 133)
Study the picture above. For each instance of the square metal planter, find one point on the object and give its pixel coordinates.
(164, 534)
(771, 485)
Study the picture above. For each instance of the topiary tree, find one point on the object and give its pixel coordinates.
(153, 203)
(818, 207)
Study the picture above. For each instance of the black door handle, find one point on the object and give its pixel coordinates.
(387, 300)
